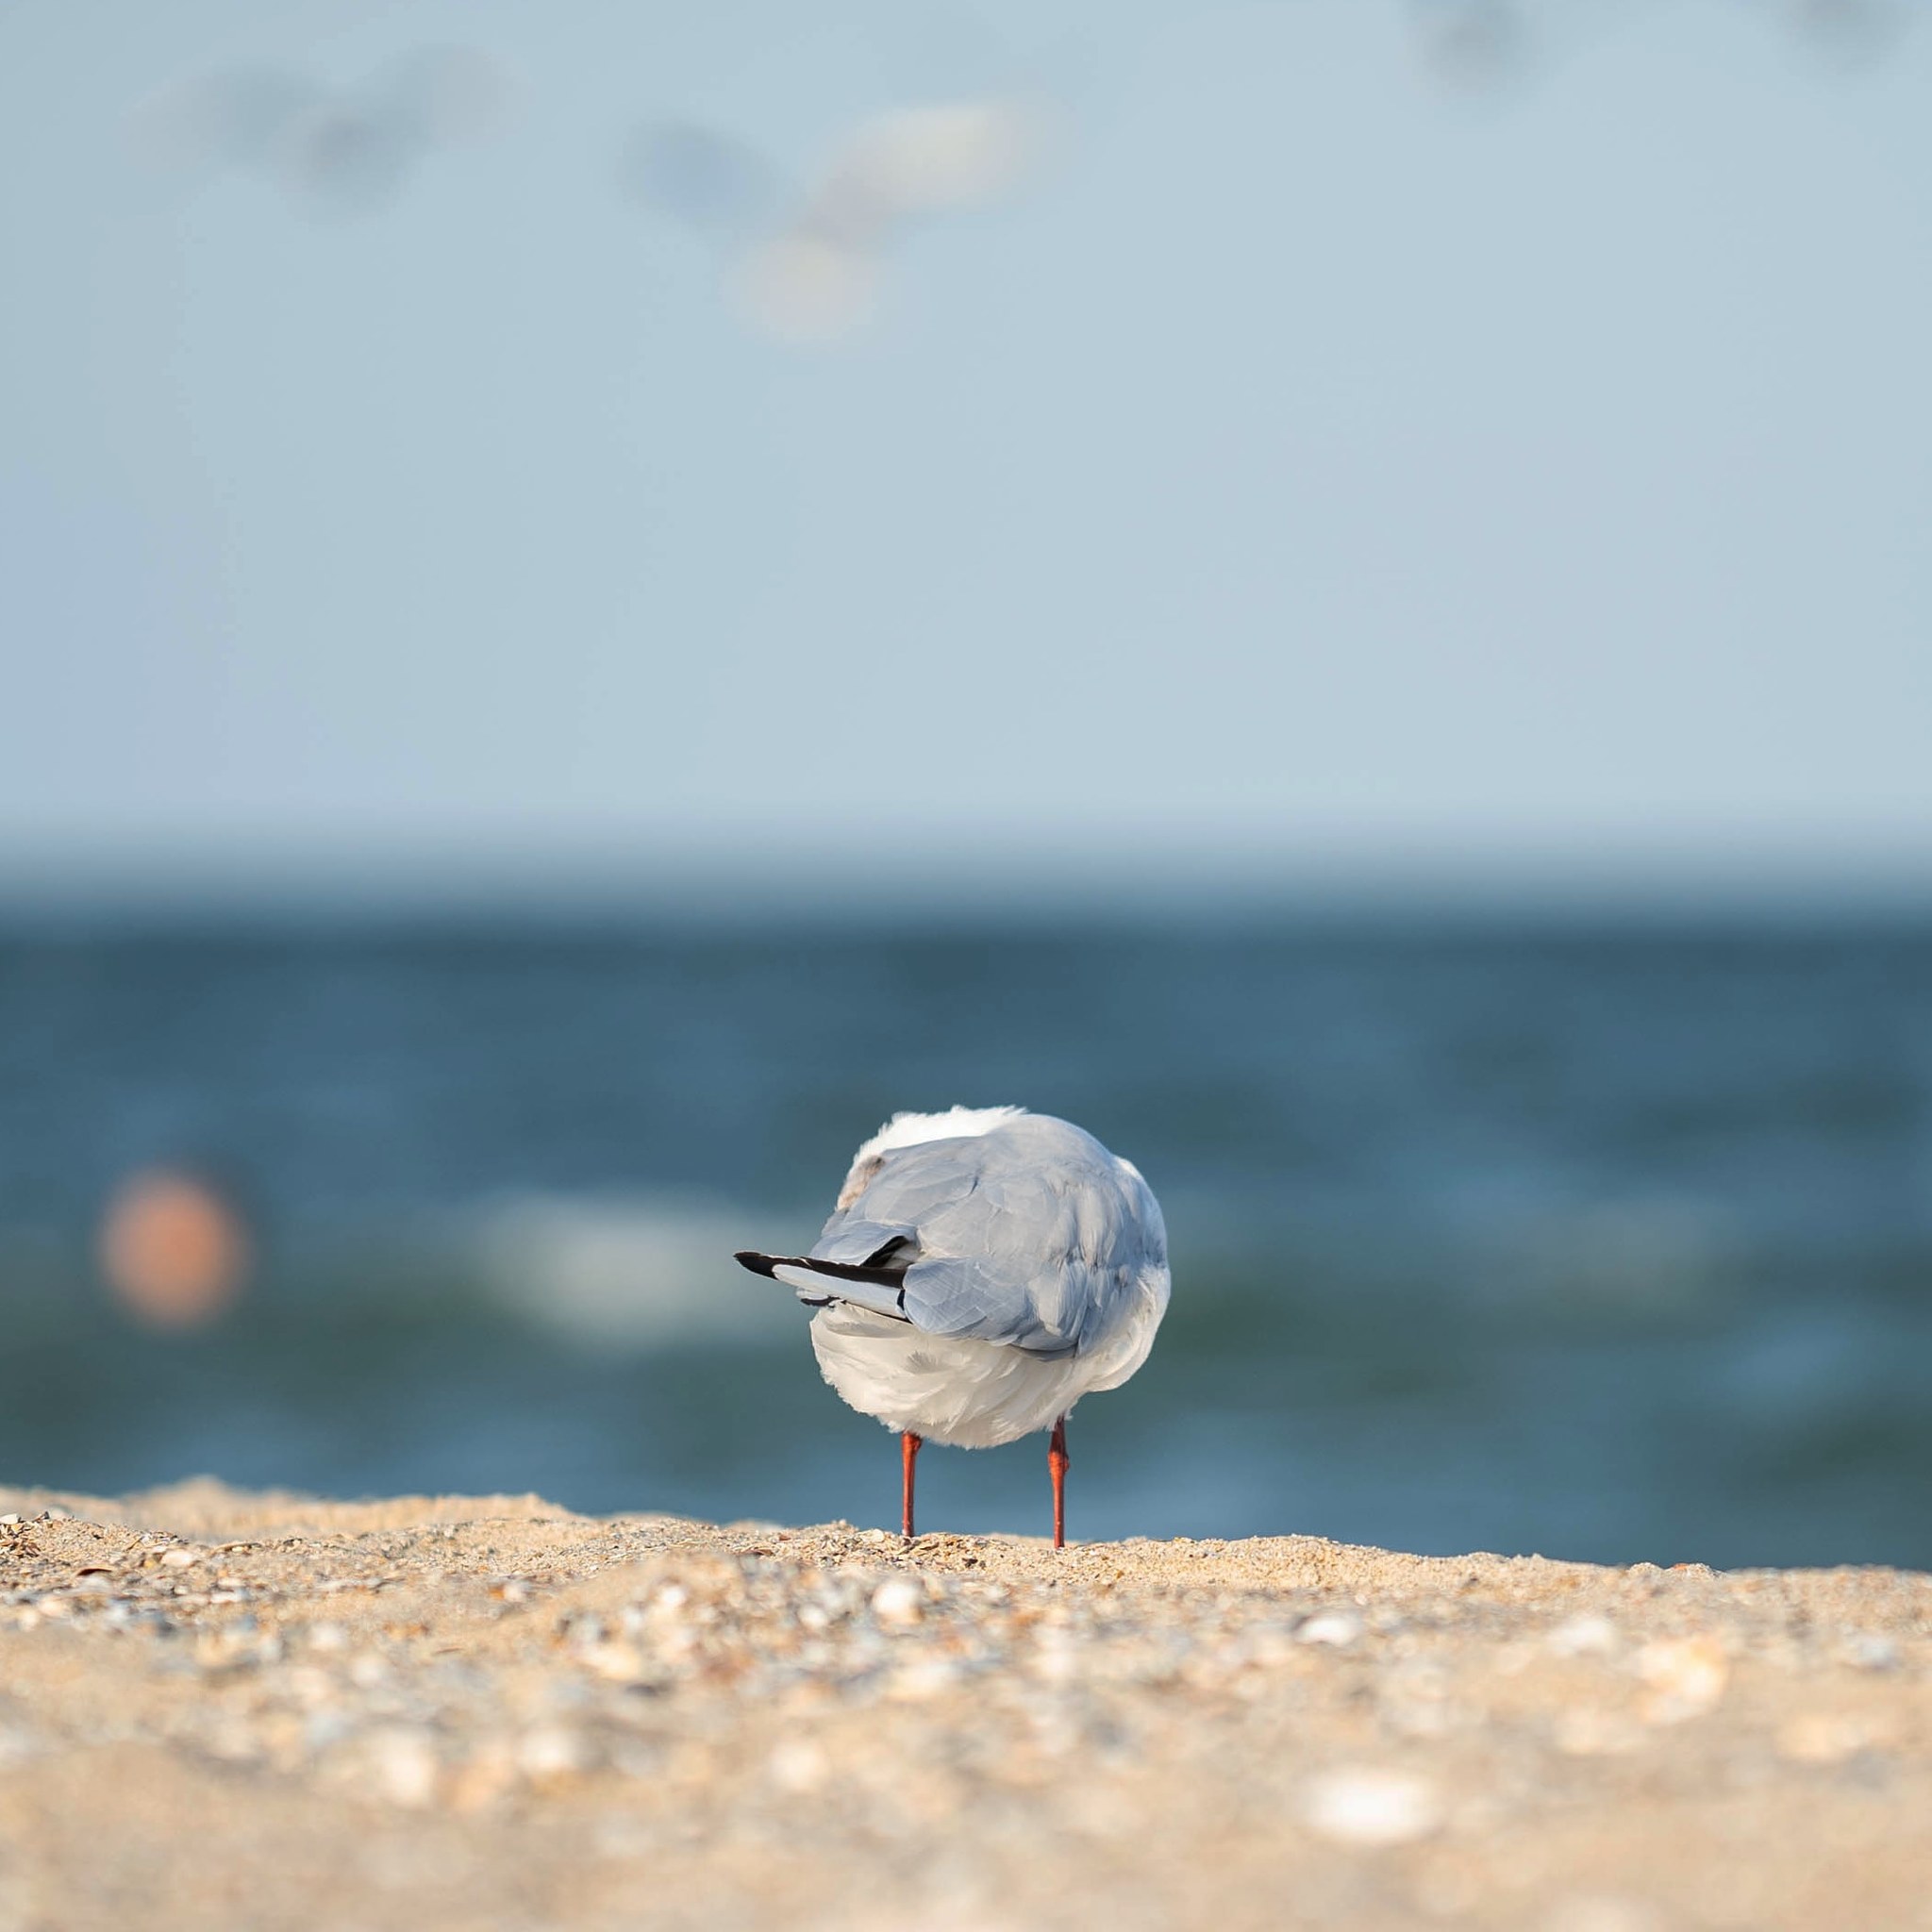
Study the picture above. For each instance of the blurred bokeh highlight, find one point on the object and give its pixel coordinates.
(173, 1249)
(1337, 591)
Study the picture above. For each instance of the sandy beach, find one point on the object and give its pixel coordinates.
(219, 1709)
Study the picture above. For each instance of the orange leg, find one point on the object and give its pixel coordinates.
(909, 1446)
(1057, 1461)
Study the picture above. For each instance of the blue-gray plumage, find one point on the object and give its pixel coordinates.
(982, 1271)
(1026, 1234)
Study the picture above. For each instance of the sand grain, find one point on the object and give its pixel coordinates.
(219, 1708)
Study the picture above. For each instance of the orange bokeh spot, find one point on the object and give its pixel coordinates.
(174, 1253)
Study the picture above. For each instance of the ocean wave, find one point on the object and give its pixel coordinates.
(638, 1270)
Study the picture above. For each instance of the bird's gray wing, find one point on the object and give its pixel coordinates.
(1008, 1237)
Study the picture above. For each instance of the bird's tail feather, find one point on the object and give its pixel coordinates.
(816, 1282)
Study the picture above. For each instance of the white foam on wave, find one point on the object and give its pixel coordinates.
(640, 1270)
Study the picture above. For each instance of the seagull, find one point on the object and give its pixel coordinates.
(808, 254)
(983, 1269)
(345, 150)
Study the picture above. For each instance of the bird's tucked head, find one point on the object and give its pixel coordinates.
(910, 1130)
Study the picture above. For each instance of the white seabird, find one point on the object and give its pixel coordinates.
(983, 1270)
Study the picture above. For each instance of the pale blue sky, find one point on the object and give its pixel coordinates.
(1320, 462)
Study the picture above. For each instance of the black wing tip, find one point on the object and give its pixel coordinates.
(836, 1271)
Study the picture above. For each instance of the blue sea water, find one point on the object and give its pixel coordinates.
(1605, 1240)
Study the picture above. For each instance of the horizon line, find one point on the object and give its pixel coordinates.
(736, 881)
